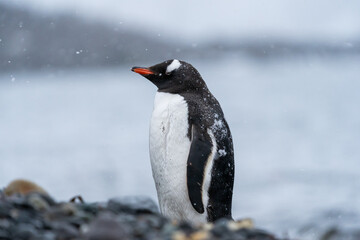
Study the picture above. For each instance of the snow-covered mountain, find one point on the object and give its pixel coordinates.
(33, 40)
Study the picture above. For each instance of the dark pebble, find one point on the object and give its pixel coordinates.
(105, 227)
(220, 227)
(4, 234)
(133, 205)
(19, 202)
(256, 234)
(167, 230)
(23, 215)
(48, 235)
(93, 208)
(23, 231)
(4, 223)
(127, 218)
(5, 208)
(186, 227)
(39, 201)
(39, 217)
(64, 230)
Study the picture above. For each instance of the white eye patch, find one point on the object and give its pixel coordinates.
(175, 64)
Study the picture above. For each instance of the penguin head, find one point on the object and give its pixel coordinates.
(173, 76)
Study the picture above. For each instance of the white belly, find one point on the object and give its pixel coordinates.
(169, 149)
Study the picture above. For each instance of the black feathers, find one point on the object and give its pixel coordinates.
(205, 113)
(200, 151)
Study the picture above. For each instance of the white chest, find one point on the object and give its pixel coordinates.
(169, 149)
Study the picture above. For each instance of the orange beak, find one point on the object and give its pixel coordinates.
(142, 71)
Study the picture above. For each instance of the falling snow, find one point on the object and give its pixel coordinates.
(175, 64)
(219, 128)
(222, 152)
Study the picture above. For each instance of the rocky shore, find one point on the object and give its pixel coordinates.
(38, 216)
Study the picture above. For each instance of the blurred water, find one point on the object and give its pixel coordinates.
(296, 130)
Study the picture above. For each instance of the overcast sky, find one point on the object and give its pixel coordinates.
(332, 20)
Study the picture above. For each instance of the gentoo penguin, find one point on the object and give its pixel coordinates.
(191, 148)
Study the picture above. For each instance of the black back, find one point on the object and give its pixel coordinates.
(205, 112)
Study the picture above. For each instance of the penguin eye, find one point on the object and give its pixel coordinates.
(168, 73)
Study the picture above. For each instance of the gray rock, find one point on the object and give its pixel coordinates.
(23, 231)
(105, 227)
(92, 208)
(255, 234)
(220, 227)
(167, 230)
(127, 218)
(186, 227)
(5, 209)
(18, 201)
(37, 202)
(48, 235)
(4, 229)
(26, 215)
(64, 230)
(4, 234)
(61, 211)
(38, 217)
(133, 205)
(5, 223)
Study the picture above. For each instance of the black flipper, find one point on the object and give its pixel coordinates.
(200, 149)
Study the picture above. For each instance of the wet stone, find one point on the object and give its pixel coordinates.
(168, 230)
(4, 234)
(38, 201)
(186, 228)
(140, 229)
(48, 235)
(39, 217)
(92, 209)
(61, 211)
(153, 221)
(19, 202)
(220, 227)
(22, 216)
(256, 234)
(23, 231)
(5, 224)
(68, 209)
(127, 218)
(106, 227)
(5, 209)
(37, 223)
(133, 204)
(64, 230)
